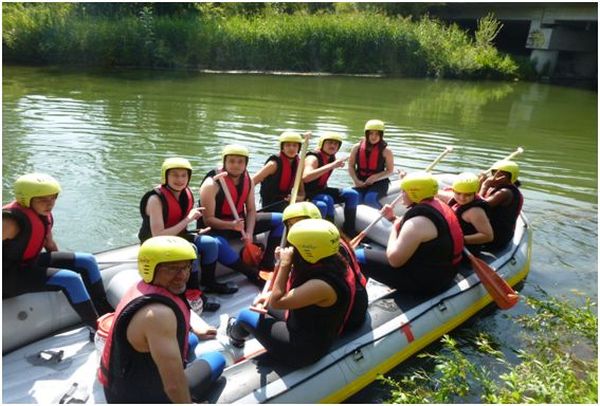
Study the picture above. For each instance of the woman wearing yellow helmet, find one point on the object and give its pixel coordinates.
(425, 246)
(276, 177)
(318, 300)
(27, 231)
(167, 209)
(471, 211)
(145, 359)
(501, 191)
(370, 164)
(318, 167)
(219, 216)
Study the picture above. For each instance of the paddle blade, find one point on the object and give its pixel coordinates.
(252, 254)
(502, 293)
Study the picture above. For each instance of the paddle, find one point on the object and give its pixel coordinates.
(293, 196)
(356, 240)
(518, 151)
(502, 293)
(251, 253)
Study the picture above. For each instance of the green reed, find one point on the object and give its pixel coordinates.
(556, 364)
(352, 42)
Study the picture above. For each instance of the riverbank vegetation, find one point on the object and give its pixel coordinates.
(558, 362)
(350, 38)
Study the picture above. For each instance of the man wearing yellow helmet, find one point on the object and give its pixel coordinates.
(147, 356)
(318, 167)
(219, 216)
(370, 164)
(315, 285)
(470, 209)
(276, 177)
(26, 231)
(167, 209)
(501, 191)
(425, 245)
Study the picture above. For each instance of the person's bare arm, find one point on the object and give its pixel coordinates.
(10, 228)
(477, 217)
(154, 210)
(269, 169)
(351, 163)
(414, 231)
(311, 172)
(155, 326)
(208, 194)
(49, 242)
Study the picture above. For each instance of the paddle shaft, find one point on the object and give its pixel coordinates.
(515, 153)
(231, 204)
(356, 240)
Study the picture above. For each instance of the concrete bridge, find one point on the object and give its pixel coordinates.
(560, 38)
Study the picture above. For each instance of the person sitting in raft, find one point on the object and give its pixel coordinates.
(370, 164)
(470, 209)
(425, 246)
(26, 231)
(319, 165)
(276, 178)
(501, 192)
(145, 358)
(305, 210)
(167, 209)
(313, 285)
(219, 216)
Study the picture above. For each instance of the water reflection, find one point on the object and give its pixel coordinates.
(104, 136)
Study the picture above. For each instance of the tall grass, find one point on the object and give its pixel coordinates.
(354, 42)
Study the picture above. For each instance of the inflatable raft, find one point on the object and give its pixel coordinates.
(48, 358)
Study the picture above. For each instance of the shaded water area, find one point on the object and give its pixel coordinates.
(104, 136)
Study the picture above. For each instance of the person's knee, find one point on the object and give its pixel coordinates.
(360, 256)
(371, 199)
(322, 206)
(72, 283)
(216, 361)
(227, 255)
(276, 225)
(208, 248)
(351, 197)
(249, 318)
(89, 263)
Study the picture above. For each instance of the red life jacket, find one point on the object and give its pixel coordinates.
(453, 225)
(286, 177)
(135, 298)
(369, 163)
(36, 229)
(173, 213)
(239, 195)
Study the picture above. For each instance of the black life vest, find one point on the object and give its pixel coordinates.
(173, 209)
(468, 228)
(277, 186)
(504, 218)
(369, 162)
(438, 258)
(132, 376)
(313, 187)
(30, 241)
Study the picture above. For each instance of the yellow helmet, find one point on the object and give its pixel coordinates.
(330, 135)
(233, 149)
(34, 185)
(507, 166)
(302, 209)
(164, 248)
(174, 163)
(419, 186)
(374, 125)
(314, 239)
(466, 182)
(290, 136)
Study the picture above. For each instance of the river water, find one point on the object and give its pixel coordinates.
(104, 136)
